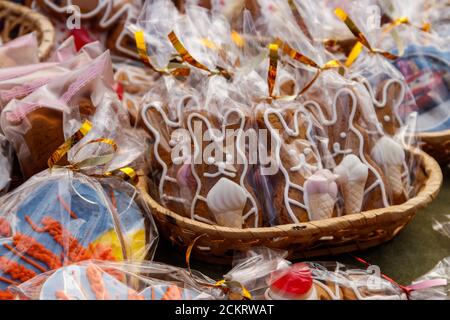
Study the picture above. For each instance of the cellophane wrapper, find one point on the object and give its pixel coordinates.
(440, 291)
(267, 275)
(102, 280)
(6, 158)
(322, 147)
(59, 217)
(20, 81)
(20, 51)
(424, 61)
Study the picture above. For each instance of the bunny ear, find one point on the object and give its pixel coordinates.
(345, 103)
(393, 93)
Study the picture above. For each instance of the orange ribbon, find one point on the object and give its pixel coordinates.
(362, 40)
(174, 68)
(187, 57)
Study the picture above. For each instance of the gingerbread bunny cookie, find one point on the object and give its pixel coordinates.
(295, 155)
(220, 166)
(176, 182)
(346, 137)
(388, 152)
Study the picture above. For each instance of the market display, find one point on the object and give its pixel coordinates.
(262, 130)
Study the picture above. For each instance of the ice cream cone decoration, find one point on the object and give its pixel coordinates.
(390, 156)
(352, 177)
(320, 195)
(226, 200)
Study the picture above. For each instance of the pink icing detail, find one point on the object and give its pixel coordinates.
(323, 181)
(24, 90)
(84, 79)
(21, 111)
(185, 176)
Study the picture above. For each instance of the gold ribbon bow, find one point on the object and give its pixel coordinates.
(174, 68)
(233, 289)
(362, 41)
(126, 173)
(187, 57)
(297, 56)
(426, 27)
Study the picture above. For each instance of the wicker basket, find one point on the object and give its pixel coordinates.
(17, 20)
(304, 240)
(437, 144)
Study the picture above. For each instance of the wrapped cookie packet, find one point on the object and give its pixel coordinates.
(104, 280)
(267, 276)
(86, 204)
(266, 129)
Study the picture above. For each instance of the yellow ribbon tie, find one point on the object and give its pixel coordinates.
(426, 27)
(297, 56)
(233, 289)
(362, 41)
(187, 57)
(175, 69)
(273, 66)
(237, 39)
(126, 173)
(69, 143)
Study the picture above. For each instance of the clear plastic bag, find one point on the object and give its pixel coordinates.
(102, 20)
(60, 217)
(330, 281)
(6, 158)
(20, 51)
(19, 82)
(268, 276)
(38, 124)
(100, 280)
(434, 285)
(424, 61)
(308, 143)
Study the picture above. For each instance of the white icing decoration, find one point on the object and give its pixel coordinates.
(388, 152)
(227, 200)
(387, 118)
(274, 133)
(343, 135)
(325, 122)
(157, 106)
(228, 170)
(382, 103)
(352, 169)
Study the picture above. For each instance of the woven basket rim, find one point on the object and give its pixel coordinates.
(427, 193)
(46, 28)
(437, 134)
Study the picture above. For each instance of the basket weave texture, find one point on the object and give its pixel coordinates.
(17, 20)
(437, 144)
(305, 240)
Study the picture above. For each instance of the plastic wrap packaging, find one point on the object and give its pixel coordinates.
(393, 101)
(60, 217)
(307, 145)
(435, 284)
(442, 225)
(35, 124)
(6, 158)
(102, 20)
(20, 51)
(268, 276)
(330, 281)
(101, 280)
(133, 83)
(18, 82)
(437, 13)
(424, 61)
